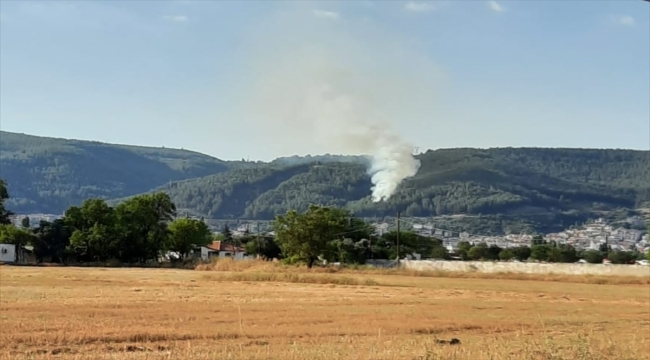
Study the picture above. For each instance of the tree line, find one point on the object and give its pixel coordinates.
(335, 235)
(546, 251)
(137, 230)
(145, 228)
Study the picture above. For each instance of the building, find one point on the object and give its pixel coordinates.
(7, 253)
(220, 250)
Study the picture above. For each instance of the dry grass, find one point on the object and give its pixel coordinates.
(228, 265)
(269, 311)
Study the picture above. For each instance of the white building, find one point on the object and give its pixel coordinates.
(7, 253)
(221, 251)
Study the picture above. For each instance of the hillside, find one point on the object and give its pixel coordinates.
(544, 186)
(327, 158)
(495, 189)
(48, 174)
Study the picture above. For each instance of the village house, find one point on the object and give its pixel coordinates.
(219, 249)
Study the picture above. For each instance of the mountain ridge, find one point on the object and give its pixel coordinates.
(50, 174)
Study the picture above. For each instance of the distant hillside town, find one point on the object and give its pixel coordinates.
(628, 235)
(589, 236)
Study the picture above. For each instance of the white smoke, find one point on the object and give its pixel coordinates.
(392, 162)
(334, 90)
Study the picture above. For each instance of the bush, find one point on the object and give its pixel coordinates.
(621, 257)
(593, 256)
(506, 255)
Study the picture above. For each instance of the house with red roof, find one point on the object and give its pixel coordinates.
(219, 249)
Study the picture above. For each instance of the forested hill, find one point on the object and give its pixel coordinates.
(456, 181)
(327, 158)
(48, 174)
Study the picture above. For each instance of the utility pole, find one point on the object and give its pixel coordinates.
(258, 239)
(398, 217)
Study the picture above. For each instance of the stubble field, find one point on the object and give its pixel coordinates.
(113, 313)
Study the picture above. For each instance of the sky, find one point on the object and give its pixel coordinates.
(228, 78)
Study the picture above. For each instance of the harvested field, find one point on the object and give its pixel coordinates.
(268, 313)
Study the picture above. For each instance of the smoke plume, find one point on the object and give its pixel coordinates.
(336, 86)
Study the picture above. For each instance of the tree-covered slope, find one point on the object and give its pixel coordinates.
(49, 174)
(524, 181)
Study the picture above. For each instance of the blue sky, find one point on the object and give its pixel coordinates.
(178, 73)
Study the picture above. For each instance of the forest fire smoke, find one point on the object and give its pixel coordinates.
(327, 92)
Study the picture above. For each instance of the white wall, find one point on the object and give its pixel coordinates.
(7, 253)
(234, 256)
(514, 267)
(205, 253)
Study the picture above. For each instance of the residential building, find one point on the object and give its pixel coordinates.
(221, 250)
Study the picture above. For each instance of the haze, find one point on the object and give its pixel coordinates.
(260, 79)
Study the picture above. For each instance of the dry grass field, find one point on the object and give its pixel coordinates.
(272, 312)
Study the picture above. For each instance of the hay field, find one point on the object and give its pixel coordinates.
(115, 313)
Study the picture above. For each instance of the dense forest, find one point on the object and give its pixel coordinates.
(497, 190)
(49, 175)
(500, 190)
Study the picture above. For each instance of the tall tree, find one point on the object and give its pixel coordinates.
(186, 233)
(647, 255)
(142, 222)
(52, 240)
(93, 231)
(265, 247)
(307, 236)
(227, 234)
(4, 195)
(10, 234)
(25, 222)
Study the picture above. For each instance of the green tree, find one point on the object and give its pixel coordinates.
(478, 251)
(142, 223)
(186, 233)
(463, 249)
(493, 252)
(540, 252)
(439, 252)
(410, 243)
(521, 253)
(10, 234)
(305, 237)
(227, 234)
(621, 257)
(265, 247)
(604, 248)
(648, 252)
(52, 241)
(347, 251)
(593, 256)
(93, 226)
(4, 195)
(506, 255)
(563, 254)
(25, 222)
